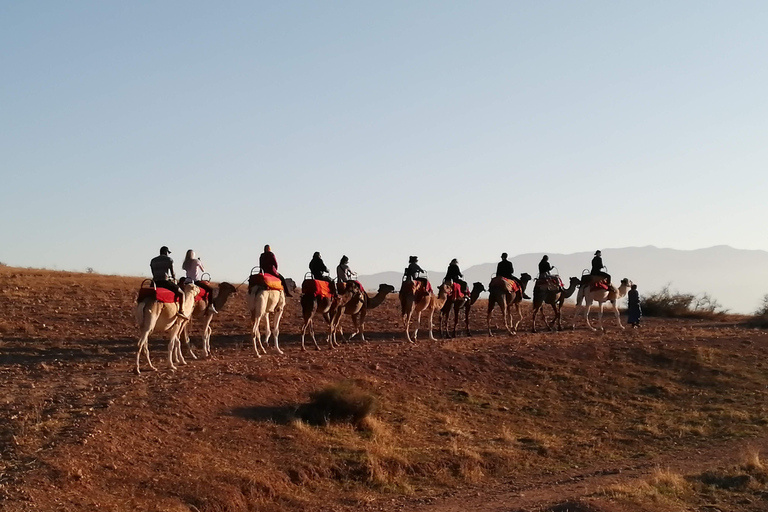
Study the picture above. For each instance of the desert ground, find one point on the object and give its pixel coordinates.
(670, 417)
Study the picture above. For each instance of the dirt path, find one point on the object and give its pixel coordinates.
(539, 494)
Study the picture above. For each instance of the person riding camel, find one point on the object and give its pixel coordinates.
(597, 267)
(454, 274)
(194, 268)
(544, 267)
(164, 277)
(320, 272)
(506, 270)
(268, 265)
(413, 271)
(343, 272)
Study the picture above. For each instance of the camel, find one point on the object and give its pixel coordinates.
(465, 302)
(506, 300)
(202, 311)
(325, 306)
(409, 304)
(555, 298)
(600, 296)
(262, 303)
(152, 314)
(358, 306)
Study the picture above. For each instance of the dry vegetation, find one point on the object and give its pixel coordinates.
(360, 426)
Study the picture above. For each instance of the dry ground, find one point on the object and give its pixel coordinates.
(577, 421)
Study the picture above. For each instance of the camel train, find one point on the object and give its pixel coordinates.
(159, 309)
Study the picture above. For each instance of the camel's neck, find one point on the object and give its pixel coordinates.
(221, 298)
(474, 296)
(376, 300)
(569, 291)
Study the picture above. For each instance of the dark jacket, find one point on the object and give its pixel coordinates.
(412, 270)
(268, 263)
(505, 269)
(544, 267)
(318, 268)
(453, 273)
(597, 265)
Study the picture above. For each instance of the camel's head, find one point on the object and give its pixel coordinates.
(290, 284)
(478, 288)
(226, 287)
(386, 288)
(574, 281)
(525, 277)
(626, 282)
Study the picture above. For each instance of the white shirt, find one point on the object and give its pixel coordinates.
(195, 270)
(343, 273)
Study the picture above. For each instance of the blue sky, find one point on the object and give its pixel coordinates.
(377, 130)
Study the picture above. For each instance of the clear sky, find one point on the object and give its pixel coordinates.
(377, 130)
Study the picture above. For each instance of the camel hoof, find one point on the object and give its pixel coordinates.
(137, 371)
(280, 352)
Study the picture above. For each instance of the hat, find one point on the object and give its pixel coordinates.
(454, 261)
(413, 259)
(598, 253)
(164, 250)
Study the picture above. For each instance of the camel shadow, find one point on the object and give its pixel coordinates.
(279, 414)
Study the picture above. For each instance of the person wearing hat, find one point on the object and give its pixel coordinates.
(597, 267)
(506, 270)
(343, 272)
(164, 276)
(544, 267)
(454, 274)
(413, 269)
(268, 265)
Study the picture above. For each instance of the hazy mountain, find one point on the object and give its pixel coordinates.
(736, 278)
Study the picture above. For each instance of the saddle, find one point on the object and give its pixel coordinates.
(420, 288)
(456, 293)
(499, 282)
(343, 287)
(267, 281)
(316, 288)
(549, 283)
(595, 283)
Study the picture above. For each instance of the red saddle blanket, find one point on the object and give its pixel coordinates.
(549, 282)
(503, 282)
(201, 293)
(316, 288)
(159, 294)
(417, 288)
(342, 287)
(267, 281)
(599, 285)
(456, 293)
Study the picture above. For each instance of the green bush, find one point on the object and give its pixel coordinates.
(668, 304)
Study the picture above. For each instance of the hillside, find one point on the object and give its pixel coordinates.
(736, 278)
(523, 423)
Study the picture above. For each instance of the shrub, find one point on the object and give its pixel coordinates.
(761, 315)
(341, 402)
(666, 303)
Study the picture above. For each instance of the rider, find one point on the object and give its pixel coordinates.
(343, 272)
(268, 265)
(506, 269)
(454, 274)
(544, 267)
(164, 277)
(195, 269)
(413, 269)
(597, 267)
(320, 271)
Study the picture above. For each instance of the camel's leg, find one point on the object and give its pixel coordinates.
(407, 322)
(356, 326)
(276, 330)
(616, 312)
(184, 333)
(506, 311)
(456, 310)
(418, 325)
(258, 338)
(556, 321)
(171, 347)
(143, 347)
(600, 316)
(533, 317)
(586, 314)
(178, 356)
(467, 309)
(431, 313)
(362, 325)
(519, 316)
(255, 335)
(488, 319)
(207, 334)
(267, 332)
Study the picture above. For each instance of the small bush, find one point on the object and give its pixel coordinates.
(338, 403)
(761, 315)
(668, 304)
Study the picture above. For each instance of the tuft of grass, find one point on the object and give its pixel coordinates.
(343, 402)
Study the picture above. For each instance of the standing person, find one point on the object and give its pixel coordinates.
(544, 267)
(268, 265)
(506, 270)
(343, 272)
(597, 267)
(454, 274)
(194, 268)
(164, 277)
(634, 312)
(320, 272)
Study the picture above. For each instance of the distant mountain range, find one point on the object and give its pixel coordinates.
(736, 278)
